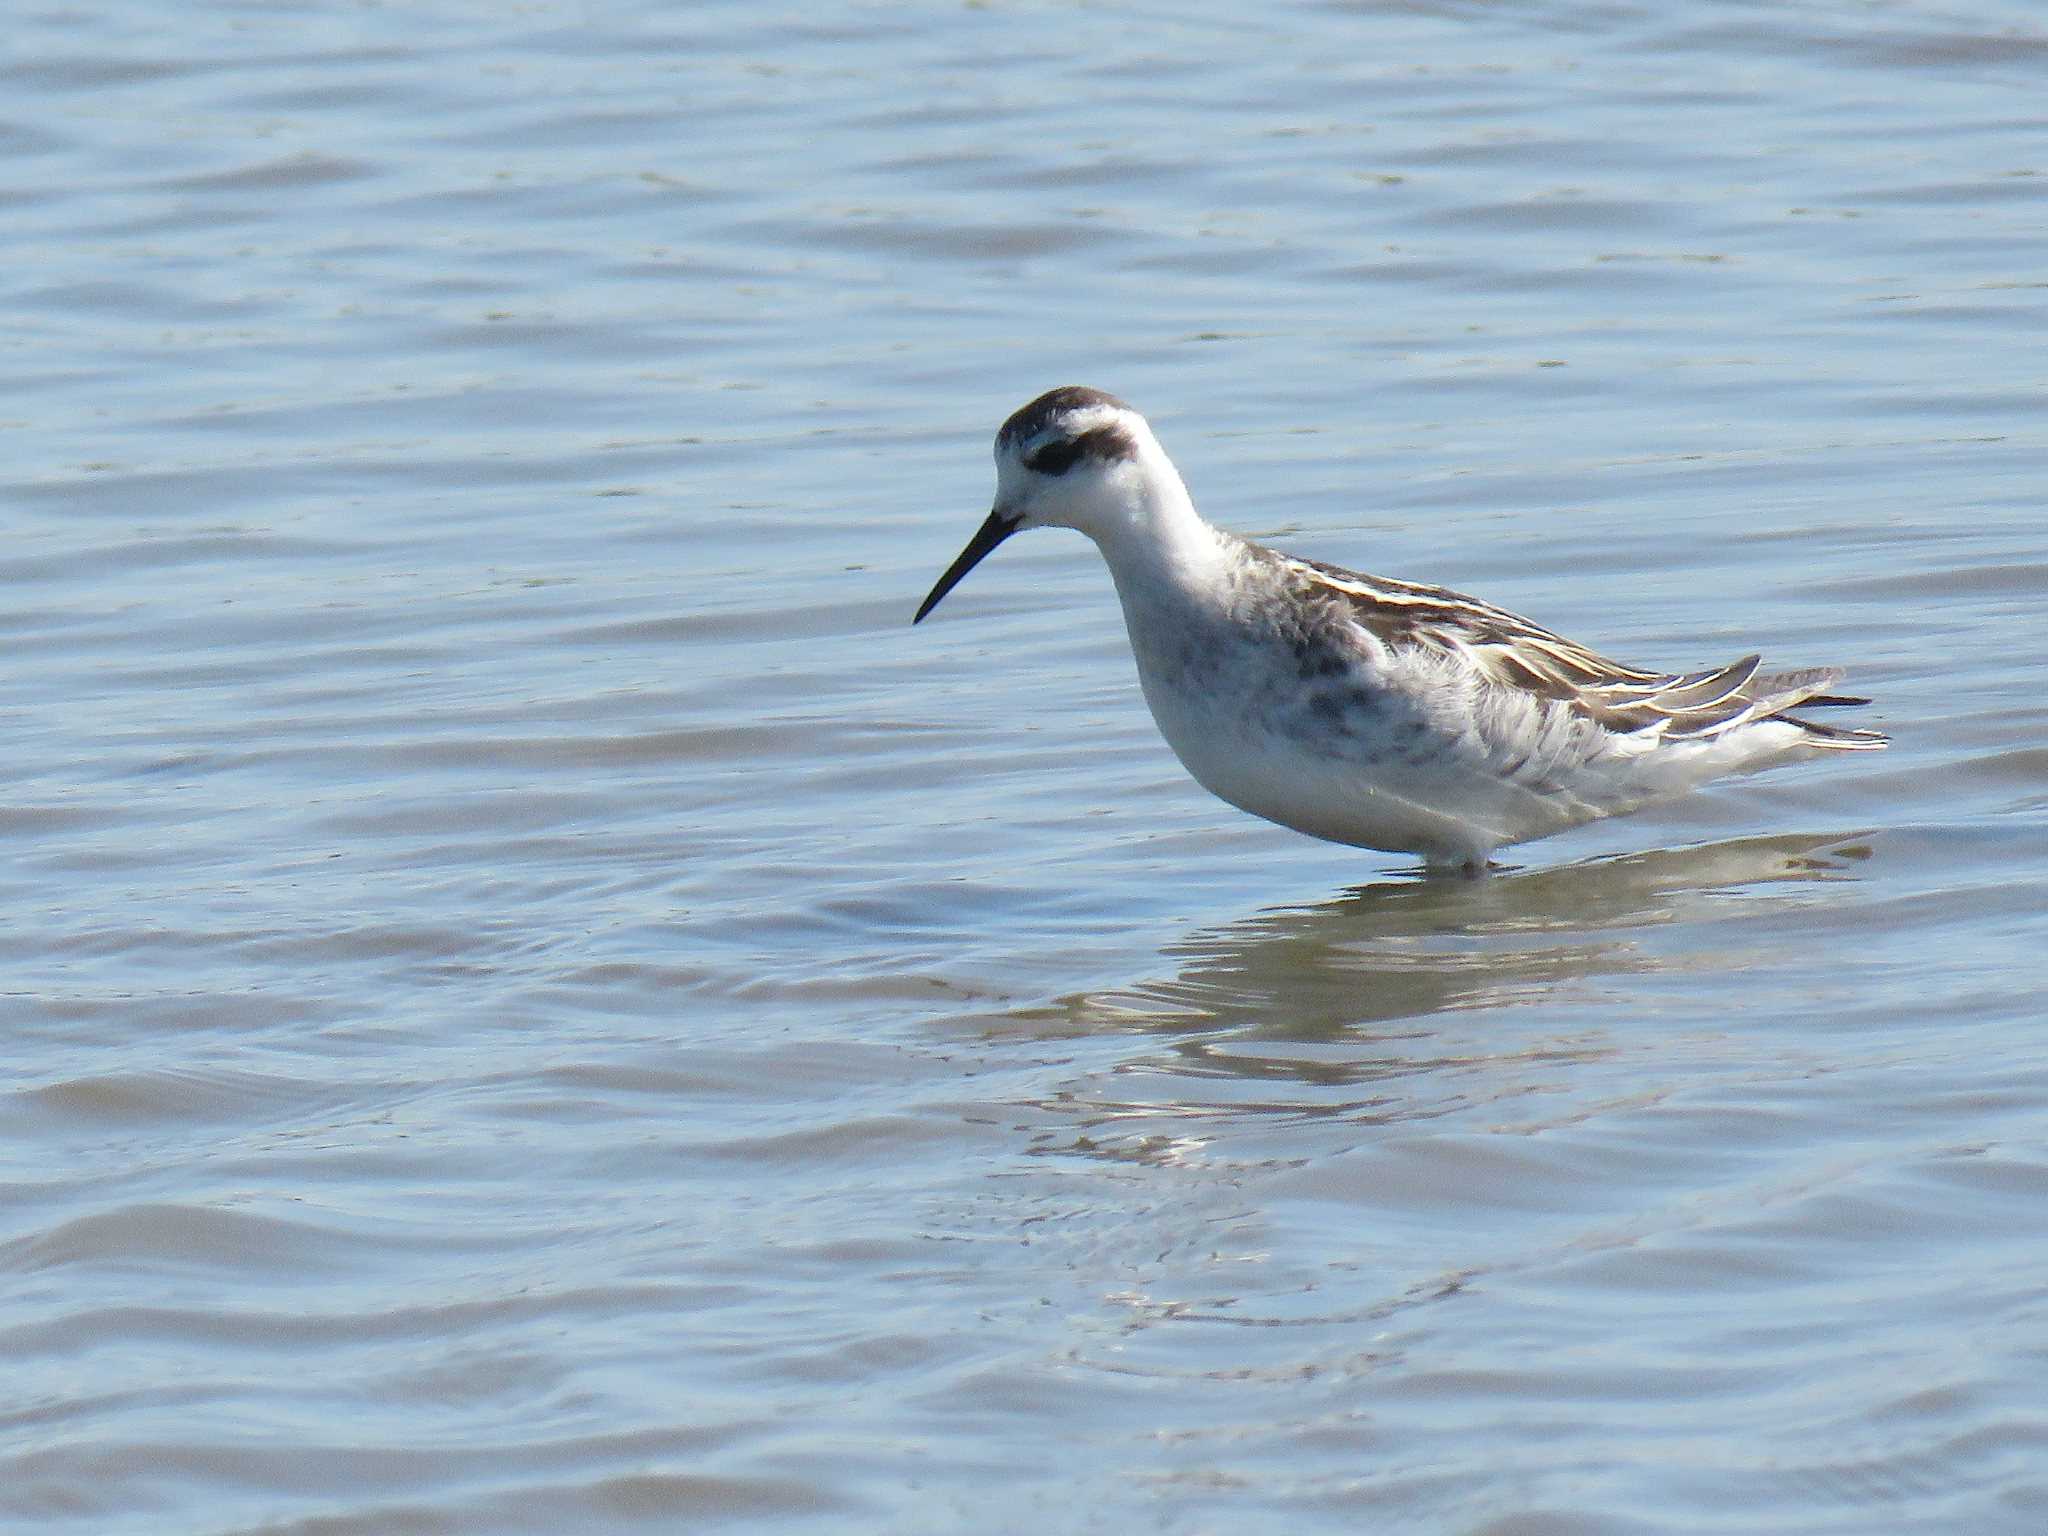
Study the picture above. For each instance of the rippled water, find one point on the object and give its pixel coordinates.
(536, 1002)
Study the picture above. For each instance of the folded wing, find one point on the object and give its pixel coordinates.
(1510, 651)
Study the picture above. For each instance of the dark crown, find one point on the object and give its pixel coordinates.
(1044, 412)
(1046, 416)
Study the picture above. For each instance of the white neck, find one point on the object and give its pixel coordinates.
(1151, 536)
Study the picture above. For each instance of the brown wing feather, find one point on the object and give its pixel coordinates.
(1515, 653)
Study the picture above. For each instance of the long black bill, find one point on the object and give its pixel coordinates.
(991, 533)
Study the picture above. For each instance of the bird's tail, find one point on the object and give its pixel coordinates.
(1779, 692)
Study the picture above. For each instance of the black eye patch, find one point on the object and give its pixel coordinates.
(1055, 458)
(1059, 456)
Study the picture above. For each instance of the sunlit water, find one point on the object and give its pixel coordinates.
(534, 1001)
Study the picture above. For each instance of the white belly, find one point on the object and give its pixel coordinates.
(1415, 793)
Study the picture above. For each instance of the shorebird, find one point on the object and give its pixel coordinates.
(1384, 714)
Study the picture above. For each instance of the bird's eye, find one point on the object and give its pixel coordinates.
(1055, 458)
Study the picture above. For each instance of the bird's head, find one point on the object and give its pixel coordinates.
(1072, 458)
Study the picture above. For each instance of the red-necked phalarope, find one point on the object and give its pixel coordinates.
(1385, 714)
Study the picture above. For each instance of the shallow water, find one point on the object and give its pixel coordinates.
(537, 1002)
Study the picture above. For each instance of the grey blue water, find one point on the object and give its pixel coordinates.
(534, 1001)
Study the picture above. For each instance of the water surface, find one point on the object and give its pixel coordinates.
(536, 1002)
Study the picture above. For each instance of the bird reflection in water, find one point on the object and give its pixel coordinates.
(1382, 1003)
